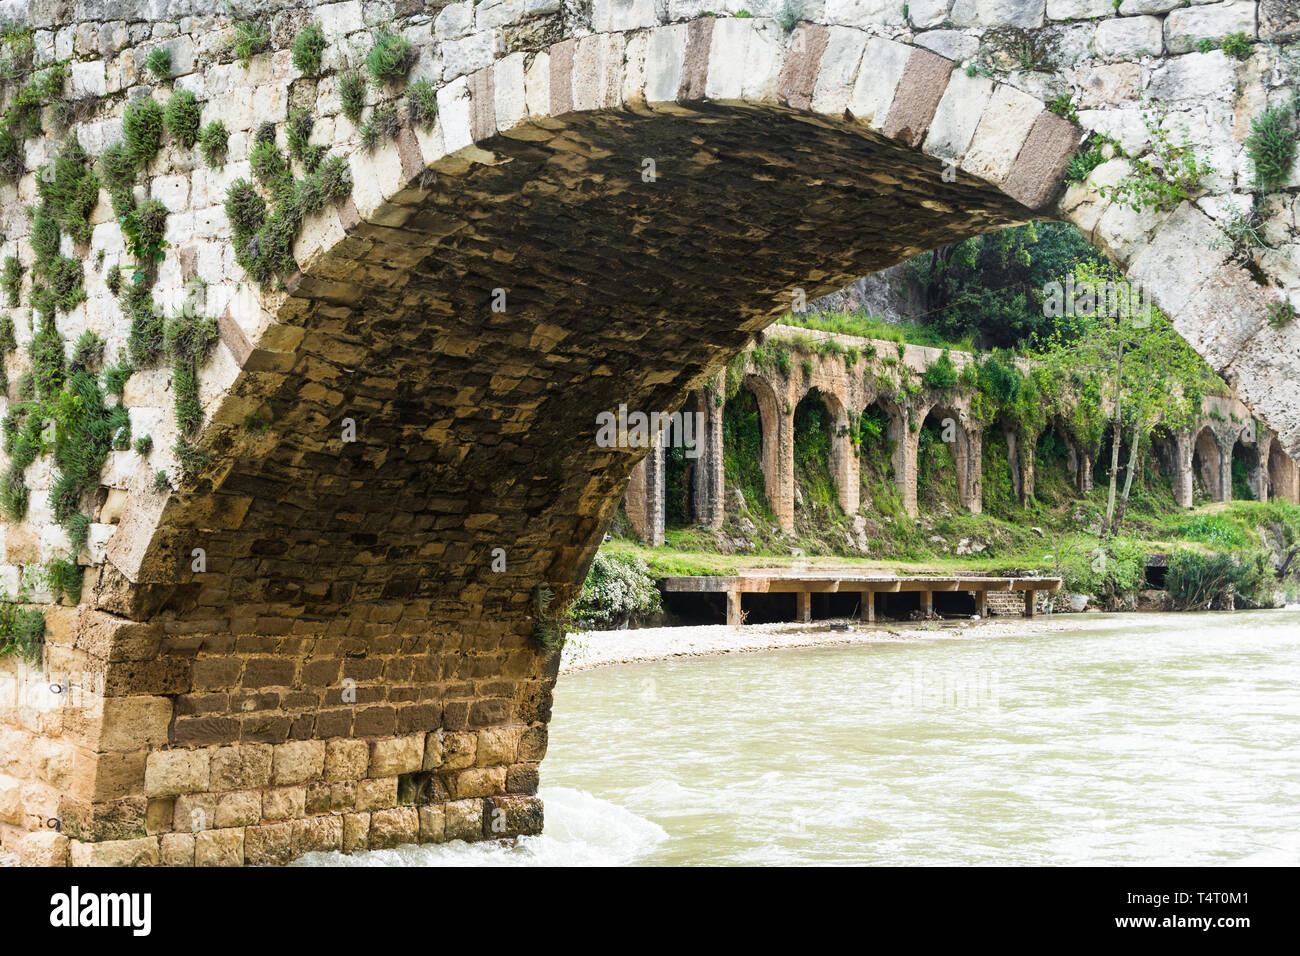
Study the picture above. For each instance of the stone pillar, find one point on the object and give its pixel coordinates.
(1224, 490)
(981, 603)
(868, 609)
(634, 500)
(803, 602)
(781, 485)
(927, 604)
(1026, 451)
(974, 493)
(1031, 609)
(1084, 478)
(844, 467)
(653, 533)
(709, 489)
(1259, 474)
(906, 446)
(1013, 463)
(1182, 476)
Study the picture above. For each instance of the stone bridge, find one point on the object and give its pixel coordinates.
(846, 390)
(302, 615)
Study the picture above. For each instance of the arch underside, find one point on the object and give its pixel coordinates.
(475, 429)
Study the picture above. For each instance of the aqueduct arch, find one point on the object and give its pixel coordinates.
(351, 669)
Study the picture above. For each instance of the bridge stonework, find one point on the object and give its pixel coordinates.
(353, 664)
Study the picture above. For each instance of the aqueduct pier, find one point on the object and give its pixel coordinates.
(351, 666)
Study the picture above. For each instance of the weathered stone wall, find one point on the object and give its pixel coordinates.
(782, 159)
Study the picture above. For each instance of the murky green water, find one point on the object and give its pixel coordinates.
(1164, 739)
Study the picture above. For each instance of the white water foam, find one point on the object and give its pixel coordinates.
(581, 830)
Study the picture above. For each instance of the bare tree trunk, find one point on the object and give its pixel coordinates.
(1128, 477)
(1117, 432)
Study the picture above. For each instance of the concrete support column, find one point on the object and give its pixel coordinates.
(927, 604)
(803, 602)
(734, 616)
(868, 609)
(1182, 477)
(981, 603)
(1031, 608)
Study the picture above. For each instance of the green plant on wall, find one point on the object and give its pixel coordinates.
(307, 46)
(1271, 146)
(391, 56)
(182, 118)
(213, 143)
(1168, 175)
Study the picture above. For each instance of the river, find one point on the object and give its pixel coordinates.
(1133, 739)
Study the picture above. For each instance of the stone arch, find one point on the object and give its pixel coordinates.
(843, 461)
(883, 408)
(1247, 467)
(777, 458)
(1207, 461)
(965, 448)
(1283, 475)
(1167, 451)
(371, 559)
(1054, 446)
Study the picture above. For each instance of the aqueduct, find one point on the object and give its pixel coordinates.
(388, 467)
(851, 389)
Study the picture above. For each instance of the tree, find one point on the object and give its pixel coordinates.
(991, 286)
(1148, 375)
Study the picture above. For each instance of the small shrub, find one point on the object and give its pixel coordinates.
(88, 353)
(159, 63)
(1237, 45)
(182, 118)
(391, 56)
(618, 591)
(144, 445)
(143, 230)
(142, 129)
(213, 143)
(161, 483)
(336, 178)
(78, 528)
(192, 461)
(941, 373)
(1206, 45)
(115, 375)
(383, 122)
(307, 47)
(70, 188)
(790, 15)
(422, 103)
(12, 280)
(1083, 162)
(1282, 313)
(63, 578)
(1271, 146)
(113, 279)
(352, 91)
(251, 37)
(22, 632)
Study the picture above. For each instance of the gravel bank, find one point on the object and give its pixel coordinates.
(603, 648)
